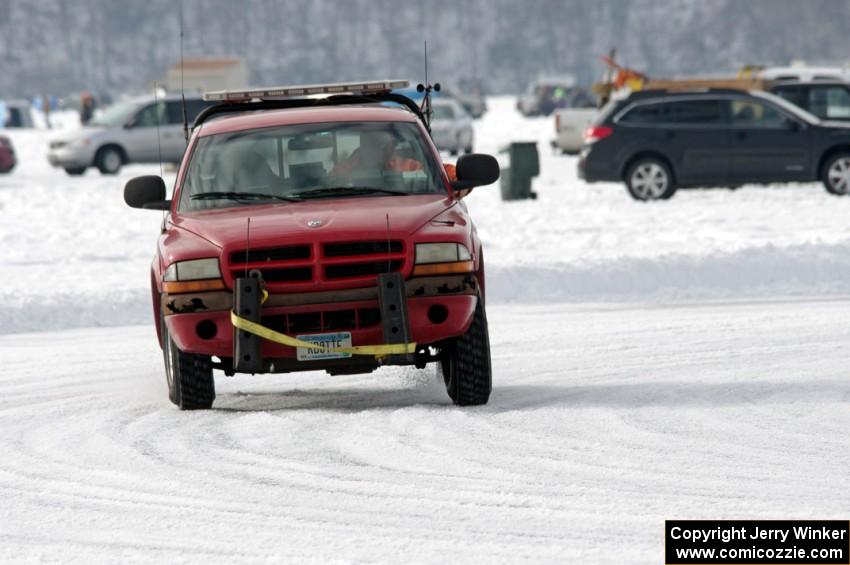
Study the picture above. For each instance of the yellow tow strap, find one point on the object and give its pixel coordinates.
(283, 339)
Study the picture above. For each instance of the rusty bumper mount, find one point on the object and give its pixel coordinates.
(418, 287)
(248, 297)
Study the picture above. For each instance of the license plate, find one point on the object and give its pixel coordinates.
(339, 339)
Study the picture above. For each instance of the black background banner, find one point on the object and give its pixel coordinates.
(745, 542)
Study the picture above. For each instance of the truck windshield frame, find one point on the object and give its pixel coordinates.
(393, 158)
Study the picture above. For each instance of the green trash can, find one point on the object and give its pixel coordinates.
(515, 180)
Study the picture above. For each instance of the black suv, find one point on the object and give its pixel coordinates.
(657, 141)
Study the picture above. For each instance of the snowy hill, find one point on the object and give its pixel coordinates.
(102, 45)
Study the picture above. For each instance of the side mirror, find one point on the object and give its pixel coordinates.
(476, 169)
(793, 125)
(147, 192)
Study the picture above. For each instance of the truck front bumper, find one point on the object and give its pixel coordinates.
(438, 309)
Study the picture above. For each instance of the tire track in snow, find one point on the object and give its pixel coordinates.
(603, 422)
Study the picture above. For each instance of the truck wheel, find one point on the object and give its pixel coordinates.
(190, 378)
(108, 160)
(836, 174)
(75, 171)
(465, 363)
(649, 178)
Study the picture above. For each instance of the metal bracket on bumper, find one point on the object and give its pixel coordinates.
(246, 347)
(393, 305)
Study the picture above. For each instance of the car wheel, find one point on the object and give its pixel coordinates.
(836, 175)
(109, 160)
(465, 363)
(650, 179)
(75, 171)
(190, 378)
(453, 151)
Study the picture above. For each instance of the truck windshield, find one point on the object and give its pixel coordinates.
(297, 162)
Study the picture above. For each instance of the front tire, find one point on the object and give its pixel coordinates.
(465, 363)
(109, 160)
(836, 174)
(190, 378)
(650, 178)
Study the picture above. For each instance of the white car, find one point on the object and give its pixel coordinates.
(804, 73)
(451, 126)
(141, 130)
(570, 125)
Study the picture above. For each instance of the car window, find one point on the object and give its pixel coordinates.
(194, 106)
(288, 161)
(151, 116)
(687, 112)
(116, 115)
(754, 114)
(643, 114)
(794, 94)
(443, 112)
(830, 102)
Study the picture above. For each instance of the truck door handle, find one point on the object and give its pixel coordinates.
(669, 134)
(742, 135)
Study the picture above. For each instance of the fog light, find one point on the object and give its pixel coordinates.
(206, 329)
(437, 314)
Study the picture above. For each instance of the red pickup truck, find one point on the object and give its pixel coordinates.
(317, 232)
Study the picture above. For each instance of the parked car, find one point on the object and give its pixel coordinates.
(142, 130)
(571, 123)
(16, 114)
(7, 155)
(451, 126)
(322, 235)
(828, 100)
(658, 141)
(547, 95)
(470, 93)
(804, 73)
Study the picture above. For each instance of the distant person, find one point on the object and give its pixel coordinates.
(45, 108)
(86, 107)
(376, 154)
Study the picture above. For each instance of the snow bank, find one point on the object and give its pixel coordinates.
(75, 256)
(769, 270)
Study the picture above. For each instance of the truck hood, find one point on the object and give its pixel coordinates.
(338, 218)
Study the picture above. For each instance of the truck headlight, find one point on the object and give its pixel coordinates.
(442, 259)
(193, 276)
(441, 253)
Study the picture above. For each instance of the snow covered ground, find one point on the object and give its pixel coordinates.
(683, 359)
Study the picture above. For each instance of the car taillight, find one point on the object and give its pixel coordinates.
(595, 133)
(557, 123)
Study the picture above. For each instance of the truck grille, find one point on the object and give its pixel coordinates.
(361, 248)
(332, 320)
(276, 254)
(287, 266)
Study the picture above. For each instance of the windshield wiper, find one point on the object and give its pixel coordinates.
(242, 196)
(346, 190)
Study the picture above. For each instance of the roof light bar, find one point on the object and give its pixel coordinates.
(372, 87)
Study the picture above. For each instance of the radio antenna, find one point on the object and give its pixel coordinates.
(427, 88)
(182, 87)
